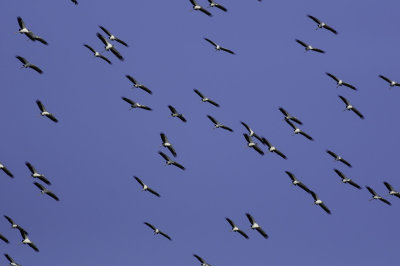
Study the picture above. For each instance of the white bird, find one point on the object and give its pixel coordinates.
(167, 144)
(44, 190)
(218, 124)
(338, 158)
(44, 112)
(14, 225)
(298, 130)
(296, 182)
(319, 202)
(346, 180)
(273, 148)
(136, 84)
(174, 113)
(218, 47)
(289, 117)
(35, 173)
(145, 187)
(392, 83)
(340, 82)
(135, 104)
(168, 161)
(212, 3)
(112, 37)
(351, 107)
(5, 170)
(27, 64)
(375, 196)
(109, 46)
(251, 131)
(26, 240)
(252, 144)
(24, 30)
(256, 226)
(235, 228)
(309, 47)
(391, 190)
(97, 54)
(11, 260)
(205, 99)
(322, 24)
(200, 8)
(157, 231)
(202, 261)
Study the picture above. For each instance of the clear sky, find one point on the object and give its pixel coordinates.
(97, 147)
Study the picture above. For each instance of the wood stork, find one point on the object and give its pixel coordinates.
(11, 260)
(251, 132)
(392, 83)
(27, 64)
(309, 47)
(252, 144)
(157, 231)
(75, 2)
(298, 130)
(112, 37)
(351, 107)
(338, 158)
(135, 104)
(322, 24)
(97, 54)
(14, 225)
(202, 261)
(26, 240)
(109, 47)
(340, 82)
(4, 239)
(319, 202)
(145, 187)
(218, 124)
(44, 112)
(375, 196)
(35, 173)
(273, 148)
(168, 161)
(345, 179)
(5, 170)
(24, 30)
(256, 226)
(296, 182)
(235, 228)
(167, 144)
(205, 99)
(136, 84)
(212, 3)
(289, 117)
(218, 47)
(44, 190)
(391, 190)
(200, 8)
(174, 113)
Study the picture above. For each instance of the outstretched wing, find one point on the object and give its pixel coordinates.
(315, 19)
(385, 201)
(117, 54)
(371, 191)
(128, 100)
(105, 30)
(21, 23)
(51, 194)
(280, 154)
(302, 43)
(6, 171)
(52, 118)
(318, 50)
(251, 219)
(199, 258)
(178, 165)
(212, 119)
(36, 68)
(22, 60)
(205, 11)
(208, 40)
(227, 50)
(332, 76)
(385, 78)
(349, 86)
(261, 231)
(153, 192)
(105, 59)
(355, 110)
(388, 186)
(306, 135)
(165, 235)
(90, 48)
(330, 29)
(354, 184)
(213, 103)
(325, 208)
(164, 156)
(150, 225)
(199, 93)
(121, 42)
(346, 102)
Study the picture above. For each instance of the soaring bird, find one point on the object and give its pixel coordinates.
(109, 46)
(218, 124)
(26, 240)
(391, 82)
(14, 225)
(346, 180)
(97, 54)
(44, 190)
(174, 113)
(145, 187)
(136, 84)
(338, 158)
(35, 173)
(167, 144)
(24, 30)
(199, 8)
(202, 261)
(351, 107)
(298, 130)
(256, 226)
(340, 82)
(27, 64)
(319, 202)
(212, 3)
(157, 231)
(296, 182)
(235, 228)
(168, 160)
(218, 47)
(375, 196)
(289, 117)
(322, 24)
(273, 148)
(309, 47)
(205, 99)
(5, 170)
(11, 260)
(112, 37)
(4, 239)
(44, 112)
(135, 104)
(391, 190)
(251, 132)
(252, 144)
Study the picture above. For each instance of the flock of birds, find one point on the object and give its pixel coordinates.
(253, 140)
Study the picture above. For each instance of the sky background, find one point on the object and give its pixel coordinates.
(97, 147)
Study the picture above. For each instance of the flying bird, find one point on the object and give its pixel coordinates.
(35, 173)
(135, 104)
(145, 187)
(338, 158)
(340, 82)
(109, 47)
(251, 132)
(168, 161)
(351, 107)
(375, 196)
(26, 240)
(205, 99)
(256, 226)
(289, 117)
(218, 124)
(309, 47)
(391, 190)
(5, 170)
(296, 182)
(298, 130)
(136, 84)
(273, 148)
(346, 180)
(11, 260)
(202, 261)
(24, 30)
(212, 3)
(200, 8)
(14, 225)
(26, 64)
(4, 239)
(391, 82)
(97, 54)
(44, 112)
(322, 24)
(157, 231)
(167, 144)
(44, 190)
(218, 47)
(174, 113)
(112, 37)
(252, 144)
(319, 202)
(235, 228)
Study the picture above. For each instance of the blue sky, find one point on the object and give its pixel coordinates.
(97, 147)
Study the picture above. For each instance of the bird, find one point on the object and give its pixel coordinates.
(24, 30)
(298, 130)
(338, 158)
(27, 64)
(309, 47)
(346, 180)
(97, 54)
(158, 231)
(5, 170)
(251, 132)
(167, 144)
(289, 117)
(35, 174)
(273, 148)
(174, 113)
(319, 202)
(256, 226)
(168, 161)
(4, 239)
(203, 262)
(351, 107)
(376, 196)
(340, 82)
(296, 182)
(218, 124)
(112, 37)
(252, 144)
(235, 228)
(75, 2)
(44, 190)
(392, 83)
(109, 47)
(44, 112)
(212, 3)
(322, 24)
(205, 99)
(136, 84)
(218, 47)
(135, 104)
(11, 260)
(145, 187)
(391, 190)
(14, 225)
(26, 240)
(200, 8)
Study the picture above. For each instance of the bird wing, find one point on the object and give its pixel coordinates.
(52, 118)
(339, 173)
(345, 162)
(283, 111)
(325, 208)
(266, 142)
(227, 128)
(292, 176)
(205, 11)
(247, 137)
(9, 258)
(371, 191)
(181, 117)
(388, 186)
(41, 107)
(21, 23)
(40, 39)
(139, 181)
(261, 231)
(385, 78)
(314, 195)
(22, 60)
(145, 107)
(306, 135)
(349, 85)
(332, 153)
(117, 54)
(332, 76)
(36, 68)
(105, 59)
(134, 81)
(346, 102)
(213, 103)
(9, 219)
(193, 2)
(90, 48)
(230, 222)
(291, 124)
(315, 19)
(74, 1)
(355, 110)
(121, 42)
(258, 137)
(302, 43)
(178, 165)
(296, 120)
(318, 50)
(354, 184)
(164, 156)
(172, 150)
(165, 235)
(221, 7)
(150, 225)
(102, 39)
(227, 50)
(246, 126)
(172, 109)
(163, 138)
(208, 40)
(243, 234)
(105, 30)
(258, 149)
(199, 258)
(385, 201)
(304, 187)
(8, 172)
(128, 100)
(330, 29)
(40, 186)
(33, 246)
(212, 119)
(251, 219)
(280, 154)
(44, 180)
(153, 192)
(146, 89)
(51, 194)
(199, 93)
(4, 238)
